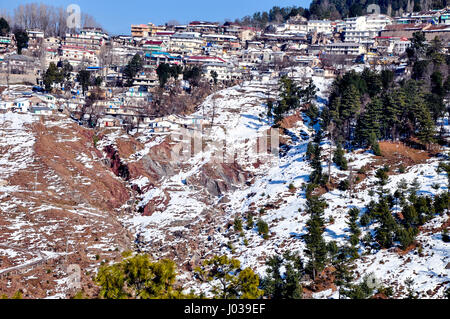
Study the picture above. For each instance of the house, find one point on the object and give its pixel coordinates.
(392, 45)
(200, 60)
(5, 42)
(107, 121)
(22, 105)
(19, 64)
(39, 110)
(75, 55)
(345, 48)
(6, 105)
(225, 72)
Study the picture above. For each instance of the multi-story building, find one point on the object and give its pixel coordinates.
(90, 39)
(187, 43)
(364, 29)
(5, 42)
(320, 26)
(203, 27)
(403, 30)
(224, 71)
(345, 48)
(392, 45)
(140, 30)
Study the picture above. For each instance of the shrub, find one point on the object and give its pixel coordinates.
(344, 185)
(263, 227)
(238, 224)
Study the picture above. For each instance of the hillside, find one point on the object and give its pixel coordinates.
(188, 214)
(90, 201)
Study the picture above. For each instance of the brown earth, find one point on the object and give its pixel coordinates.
(62, 206)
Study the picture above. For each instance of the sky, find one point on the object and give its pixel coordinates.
(116, 16)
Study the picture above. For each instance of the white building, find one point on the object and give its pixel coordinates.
(365, 28)
(345, 48)
(320, 26)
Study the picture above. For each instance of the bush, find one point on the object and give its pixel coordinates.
(445, 236)
(263, 227)
(339, 158)
(250, 222)
(344, 185)
(238, 224)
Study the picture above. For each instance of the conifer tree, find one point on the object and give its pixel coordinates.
(227, 280)
(350, 105)
(287, 286)
(315, 243)
(355, 232)
(385, 233)
(339, 158)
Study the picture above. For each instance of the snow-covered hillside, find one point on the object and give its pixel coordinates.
(191, 224)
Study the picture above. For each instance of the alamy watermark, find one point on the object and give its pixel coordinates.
(74, 279)
(373, 9)
(190, 143)
(74, 19)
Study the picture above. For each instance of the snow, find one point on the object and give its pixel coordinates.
(239, 121)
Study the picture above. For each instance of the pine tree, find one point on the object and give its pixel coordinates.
(427, 128)
(369, 123)
(309, 92)
(350, 106)
(138, 277)
(227, 280)
(277, 286)
(316, 176)
(355, 232)
(385, 233)
(315, 243)
(373, 143)
(343, 276)
(339, 158)
(394, 104)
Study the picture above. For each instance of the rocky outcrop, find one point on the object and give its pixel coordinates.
(120, 169)
(218, 179)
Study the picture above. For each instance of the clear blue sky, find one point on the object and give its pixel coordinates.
(117, 15)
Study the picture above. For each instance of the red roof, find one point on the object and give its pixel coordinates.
(153, 42)
(400, 27)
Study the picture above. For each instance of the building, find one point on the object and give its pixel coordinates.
(364, 29)
(186, 43)
(224, 71)
(320, 26)
(140, 30)
(392, 45)
(345, 48)
(5, 42)
(403, 30)
(440, 31)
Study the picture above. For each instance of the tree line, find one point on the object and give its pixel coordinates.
(50, 19)
(369, 106)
